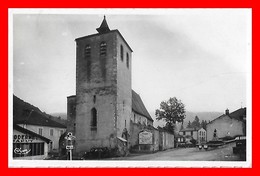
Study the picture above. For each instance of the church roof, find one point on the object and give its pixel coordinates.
(189, 129)
(138, 106)
(103, 27)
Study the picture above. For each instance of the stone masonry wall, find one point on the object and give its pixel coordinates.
(96, 77)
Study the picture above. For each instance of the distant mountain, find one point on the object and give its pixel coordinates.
(208, 116)
(62, 115)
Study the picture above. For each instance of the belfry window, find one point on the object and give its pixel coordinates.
(122, 52)
(103, 49)
(93, 119)
(127, 60)
(87, 51)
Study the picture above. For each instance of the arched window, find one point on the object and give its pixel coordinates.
(93, 119)
(87, 51)
(127, 60)
(103, 49)
(122, 52)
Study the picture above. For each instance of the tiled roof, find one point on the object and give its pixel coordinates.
(238, 114)
(138, 106)
(26, 131)
(189, 129)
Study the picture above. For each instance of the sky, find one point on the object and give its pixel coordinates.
(200, 56)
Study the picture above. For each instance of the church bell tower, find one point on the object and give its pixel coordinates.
(103, 101)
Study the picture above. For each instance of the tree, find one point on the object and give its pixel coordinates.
(189, 125)
(171, 111)
(196, 122)
(203, 124)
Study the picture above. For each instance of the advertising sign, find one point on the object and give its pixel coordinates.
(145, 137)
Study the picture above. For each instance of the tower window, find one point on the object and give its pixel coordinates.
(94, 99)
(103, 49)
(127, 60)
(87, 51)
(122, 52)
(93, 119)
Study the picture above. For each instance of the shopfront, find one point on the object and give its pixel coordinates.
(29, 145)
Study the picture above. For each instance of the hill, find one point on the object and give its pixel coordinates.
(61, 115)
(20, 108)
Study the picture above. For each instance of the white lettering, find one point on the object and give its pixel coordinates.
(19, 151)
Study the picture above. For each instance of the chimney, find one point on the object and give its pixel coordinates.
(227, 111)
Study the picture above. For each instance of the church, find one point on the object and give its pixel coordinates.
(105, 108)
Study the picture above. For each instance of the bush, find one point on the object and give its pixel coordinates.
(193, 141)
(97, 153)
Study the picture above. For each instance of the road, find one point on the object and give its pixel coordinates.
(223, 153)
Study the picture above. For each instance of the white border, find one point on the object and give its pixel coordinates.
(115, 163)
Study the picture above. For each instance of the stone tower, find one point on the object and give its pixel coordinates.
(103, 91)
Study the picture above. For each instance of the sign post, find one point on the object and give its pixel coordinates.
(69, 145)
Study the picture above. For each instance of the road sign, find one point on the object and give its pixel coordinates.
(70, 136)
(69, 147)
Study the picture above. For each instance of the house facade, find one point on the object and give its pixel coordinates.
(228, 125)
(202, 135)
(191, 133)
(28, 145)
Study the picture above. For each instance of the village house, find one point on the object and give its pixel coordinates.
(228, 125)
(28, 145)
(32, 119)
(187, 134)
(191, 133)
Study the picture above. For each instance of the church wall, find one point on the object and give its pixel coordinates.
(71, 114)
(124, 87)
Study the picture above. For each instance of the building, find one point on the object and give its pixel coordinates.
(106, 112)
(32, 119)
(103, 101)
(28, 145)
(139, 112)
(228, 125)
(202, 135)
(191, 133)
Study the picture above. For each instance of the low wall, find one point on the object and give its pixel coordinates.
(161, 140)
